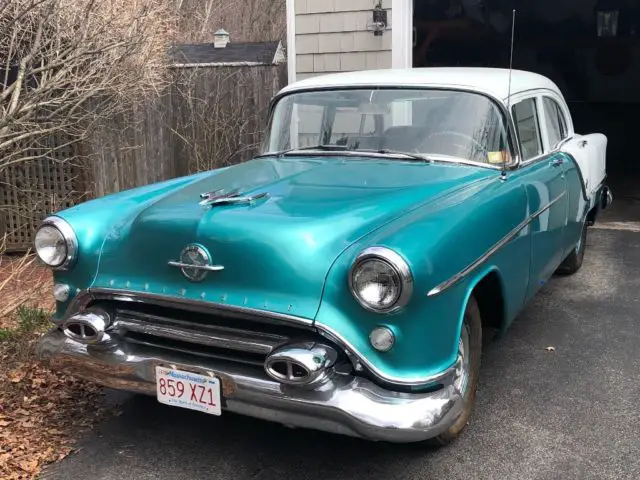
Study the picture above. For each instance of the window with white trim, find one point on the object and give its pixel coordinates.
(555, 122)
(525, 116)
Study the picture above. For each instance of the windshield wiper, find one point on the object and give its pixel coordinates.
(412, 156)
(344, 148)
(324, 148)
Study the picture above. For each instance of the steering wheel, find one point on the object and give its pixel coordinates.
(466, 147)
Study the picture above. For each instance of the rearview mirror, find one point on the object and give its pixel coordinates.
(373, 109)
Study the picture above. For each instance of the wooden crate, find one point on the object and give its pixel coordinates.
(32, 190)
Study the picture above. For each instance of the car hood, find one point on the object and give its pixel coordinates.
(276, 252)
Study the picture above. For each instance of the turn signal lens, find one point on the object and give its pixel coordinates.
(61, 292)
(382, 339)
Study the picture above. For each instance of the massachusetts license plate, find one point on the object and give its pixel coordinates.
(188, 390)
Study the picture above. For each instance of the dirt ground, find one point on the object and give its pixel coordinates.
(42, 413)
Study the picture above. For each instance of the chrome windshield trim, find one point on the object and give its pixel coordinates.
(94, 294)
(484, 257)
(446, 377)
(510, 126)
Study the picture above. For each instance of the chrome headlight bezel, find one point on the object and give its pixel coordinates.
(398, 265)
(70, 242)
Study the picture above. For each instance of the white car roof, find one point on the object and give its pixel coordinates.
(491, 81)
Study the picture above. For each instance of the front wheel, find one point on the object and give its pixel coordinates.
(468, 371)
(573, 262)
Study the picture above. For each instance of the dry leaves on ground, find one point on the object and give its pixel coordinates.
(23, 279)
(41, 412)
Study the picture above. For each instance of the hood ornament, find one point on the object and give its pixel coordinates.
(195, 263)
(230, 198)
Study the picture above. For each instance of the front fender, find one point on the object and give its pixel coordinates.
(437, 241)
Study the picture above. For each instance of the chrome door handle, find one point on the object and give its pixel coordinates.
(557, 162)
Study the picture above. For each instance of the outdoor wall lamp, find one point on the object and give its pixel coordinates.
(379, 20)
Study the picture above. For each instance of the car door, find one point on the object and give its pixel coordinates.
(545, 184)
(581, 175)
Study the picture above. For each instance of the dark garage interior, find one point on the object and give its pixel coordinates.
(589, 48)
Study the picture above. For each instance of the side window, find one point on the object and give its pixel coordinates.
(563, 122)
(555, 121)
(525, 115)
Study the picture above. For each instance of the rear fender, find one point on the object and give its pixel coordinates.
(590, 154)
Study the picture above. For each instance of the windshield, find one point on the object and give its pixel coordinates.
(430, 122)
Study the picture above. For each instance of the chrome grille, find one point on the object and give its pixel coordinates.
(207, 335)
(235, 339)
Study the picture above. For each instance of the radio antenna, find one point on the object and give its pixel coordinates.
(503, 173)
(513, 34)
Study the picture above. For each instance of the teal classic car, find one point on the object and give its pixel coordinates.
(344, 279)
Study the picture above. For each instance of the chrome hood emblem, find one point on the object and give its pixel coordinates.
(195, 263)
(217, 197)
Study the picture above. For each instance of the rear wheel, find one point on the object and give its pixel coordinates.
(573, 262)
(468, 371)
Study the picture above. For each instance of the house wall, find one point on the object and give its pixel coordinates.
(332, 36)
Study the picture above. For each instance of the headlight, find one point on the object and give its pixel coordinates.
(381, 280)
(56, 243)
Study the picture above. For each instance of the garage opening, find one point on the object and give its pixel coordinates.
(589, 48)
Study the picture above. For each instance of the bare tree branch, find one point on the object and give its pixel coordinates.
(63, 59)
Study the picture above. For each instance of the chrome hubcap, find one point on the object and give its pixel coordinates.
(463, 365)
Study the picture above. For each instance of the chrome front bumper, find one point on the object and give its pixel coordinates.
(345, 405)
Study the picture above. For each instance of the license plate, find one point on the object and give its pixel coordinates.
(188, 390)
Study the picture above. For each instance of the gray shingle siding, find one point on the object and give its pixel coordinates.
(332, 36)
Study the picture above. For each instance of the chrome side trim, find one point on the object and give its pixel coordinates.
(446, 377)
(202, 306)
(70, 238)
(483, 258)
(398, 264)
(199, 334)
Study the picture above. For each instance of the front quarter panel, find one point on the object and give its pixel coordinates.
(438, 241)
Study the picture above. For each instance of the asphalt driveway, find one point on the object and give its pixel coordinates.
(572, 413)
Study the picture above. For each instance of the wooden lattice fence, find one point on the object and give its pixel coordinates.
(33, 189)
